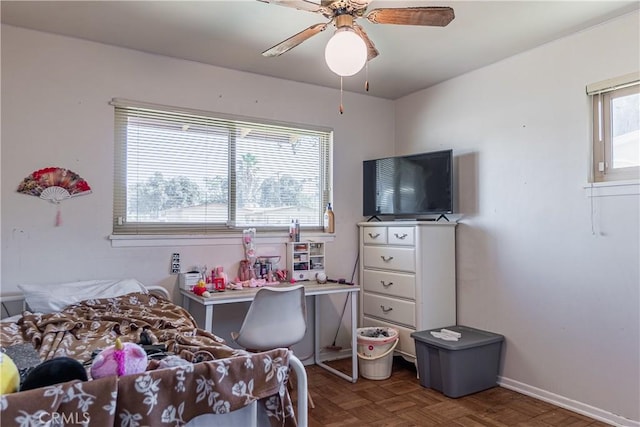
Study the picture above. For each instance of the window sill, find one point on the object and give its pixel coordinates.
(613, 188)
(127, 241)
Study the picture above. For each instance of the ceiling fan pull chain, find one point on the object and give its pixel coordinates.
(341, 107)
(366, 76)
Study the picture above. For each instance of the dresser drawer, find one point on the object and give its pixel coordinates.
(391, 309)
(402, 236)
(401, 259)
(406, 344)
(394, 284)
(374, 235)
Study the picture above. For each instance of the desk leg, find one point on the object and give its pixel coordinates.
(354, 351)
(208, 318)
(354, 338)
(316, 331)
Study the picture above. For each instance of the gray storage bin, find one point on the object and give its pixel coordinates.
(458, 368)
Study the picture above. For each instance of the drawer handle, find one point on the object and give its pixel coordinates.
(386, 285)
(386, 258)
(401, 237)
(385, 309)
(374, 236)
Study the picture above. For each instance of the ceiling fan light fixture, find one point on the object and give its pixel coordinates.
(346, 52)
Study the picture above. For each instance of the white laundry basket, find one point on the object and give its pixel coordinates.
(375, 351)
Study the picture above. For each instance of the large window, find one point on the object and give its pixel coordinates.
(192, 172)
(616, 129)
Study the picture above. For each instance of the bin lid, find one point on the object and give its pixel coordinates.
(471, 337)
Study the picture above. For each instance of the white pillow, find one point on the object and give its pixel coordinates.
(54, 297)
(12, 319)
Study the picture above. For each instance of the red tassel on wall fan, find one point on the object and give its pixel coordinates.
(55, 185)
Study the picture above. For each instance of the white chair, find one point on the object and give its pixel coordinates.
(277, 318)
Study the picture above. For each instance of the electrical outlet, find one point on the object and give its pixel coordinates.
(175, 263)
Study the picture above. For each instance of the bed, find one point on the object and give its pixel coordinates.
(221, 385)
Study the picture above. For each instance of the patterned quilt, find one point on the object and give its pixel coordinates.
(227, 379)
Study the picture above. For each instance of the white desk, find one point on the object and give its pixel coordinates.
(311, 289)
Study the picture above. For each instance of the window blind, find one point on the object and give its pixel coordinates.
(180, 171)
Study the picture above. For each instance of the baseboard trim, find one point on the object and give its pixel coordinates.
(566, 403)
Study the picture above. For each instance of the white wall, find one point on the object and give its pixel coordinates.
(529, 265)
(55, 94)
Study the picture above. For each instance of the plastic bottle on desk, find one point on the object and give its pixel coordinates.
(329, 220)
(297, 232)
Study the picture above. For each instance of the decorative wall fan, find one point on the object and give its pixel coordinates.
(54, 184)
(343, 14)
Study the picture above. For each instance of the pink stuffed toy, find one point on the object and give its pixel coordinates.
(119, 359)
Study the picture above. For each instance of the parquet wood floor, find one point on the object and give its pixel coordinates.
(401, 401)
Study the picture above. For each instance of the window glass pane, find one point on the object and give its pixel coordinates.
(176, 172)
(625, 131)
(278, 178)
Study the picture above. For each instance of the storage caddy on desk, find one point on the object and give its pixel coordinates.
(305, 260)
(458, 368)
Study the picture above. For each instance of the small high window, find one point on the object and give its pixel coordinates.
(616, 128)
(193, 172)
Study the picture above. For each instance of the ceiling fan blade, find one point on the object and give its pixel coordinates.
(372, 52)
(433, 16)
(306, 5)
(295, 40)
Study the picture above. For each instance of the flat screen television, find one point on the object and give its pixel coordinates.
(411, 186)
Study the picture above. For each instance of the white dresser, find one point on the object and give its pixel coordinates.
(408, 277)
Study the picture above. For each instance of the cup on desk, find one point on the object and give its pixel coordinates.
(218, 283)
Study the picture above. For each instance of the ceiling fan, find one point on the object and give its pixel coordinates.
(343, 14)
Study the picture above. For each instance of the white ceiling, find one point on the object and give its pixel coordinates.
(232, 34)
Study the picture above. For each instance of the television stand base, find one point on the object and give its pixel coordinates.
(435, 219)
(374, 217)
